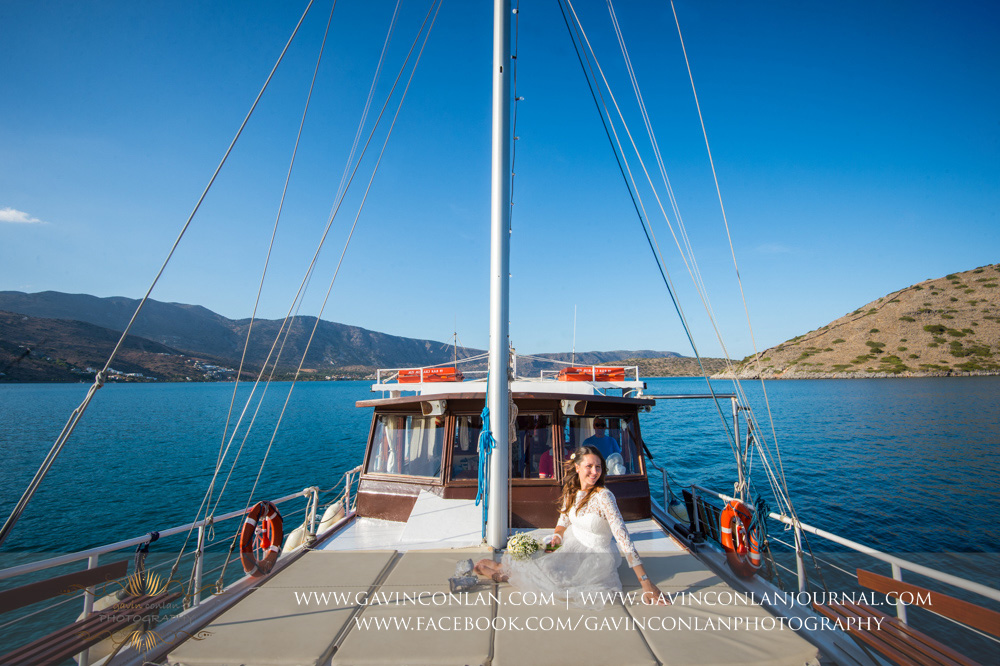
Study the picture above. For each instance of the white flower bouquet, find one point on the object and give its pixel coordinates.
(521, 546)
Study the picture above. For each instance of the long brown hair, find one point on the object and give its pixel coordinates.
(571, 479)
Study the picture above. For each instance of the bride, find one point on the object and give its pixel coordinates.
(584, 569)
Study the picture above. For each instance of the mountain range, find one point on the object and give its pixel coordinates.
(54, 336)
(942, 326)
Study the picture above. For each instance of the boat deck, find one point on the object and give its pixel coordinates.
(392, 606)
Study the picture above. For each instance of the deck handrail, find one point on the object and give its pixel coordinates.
(110, 548)
(455, 363)
(311, 494)
(897, 562)
(691, 396)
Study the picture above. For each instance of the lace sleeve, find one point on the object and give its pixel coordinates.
(605, 504)
(563, 520)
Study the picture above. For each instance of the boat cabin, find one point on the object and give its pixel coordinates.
(429, 441)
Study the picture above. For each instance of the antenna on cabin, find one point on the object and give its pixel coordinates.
(574, 334)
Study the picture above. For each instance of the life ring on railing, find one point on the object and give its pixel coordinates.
(262, 530)
(742, 543)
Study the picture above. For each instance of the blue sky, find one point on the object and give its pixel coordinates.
(857, 146)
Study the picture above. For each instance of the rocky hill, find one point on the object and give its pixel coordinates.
(33, 349)
(946, 326)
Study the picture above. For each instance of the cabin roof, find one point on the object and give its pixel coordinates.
(481, 395)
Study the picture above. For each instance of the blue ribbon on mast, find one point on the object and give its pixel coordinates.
(486, 445)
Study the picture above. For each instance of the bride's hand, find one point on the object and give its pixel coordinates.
(651, 595)
(555, 540)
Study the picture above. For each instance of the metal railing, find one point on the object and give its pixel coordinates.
(385, 375)
(193, 598)
(898, 564)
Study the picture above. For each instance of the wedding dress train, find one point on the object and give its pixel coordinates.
(584, 570)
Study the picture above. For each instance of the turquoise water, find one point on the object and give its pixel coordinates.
(143, 455)
(908, 466)
(863, 458)
(878, 461)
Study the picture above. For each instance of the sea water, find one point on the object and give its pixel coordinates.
(887, 462)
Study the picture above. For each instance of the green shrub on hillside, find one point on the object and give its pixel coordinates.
(893, 364)
(959, 351)
(935, 328)
(837, 341)
(904, 318)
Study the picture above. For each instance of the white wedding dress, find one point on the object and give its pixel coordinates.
(584, 570)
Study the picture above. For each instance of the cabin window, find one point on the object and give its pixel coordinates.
(531, 454)
(614, 436)
(465, 447)
(407, 444)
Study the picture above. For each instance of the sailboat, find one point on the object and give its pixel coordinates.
(454, 465)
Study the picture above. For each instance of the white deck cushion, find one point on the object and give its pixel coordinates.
(273, 625)
(417, 595)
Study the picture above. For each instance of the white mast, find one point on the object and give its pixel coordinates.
(574, 335)
(496, 529)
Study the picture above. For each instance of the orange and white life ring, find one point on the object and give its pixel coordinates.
(742, 544)
(262, 531)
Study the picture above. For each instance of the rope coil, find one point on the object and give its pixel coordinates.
(486, 445)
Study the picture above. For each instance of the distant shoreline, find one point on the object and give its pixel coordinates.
(863, 375)
(719, 376)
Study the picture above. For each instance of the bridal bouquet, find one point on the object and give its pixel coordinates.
(521, 546)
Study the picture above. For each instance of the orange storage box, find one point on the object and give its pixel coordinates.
(417, 375)
(590, 374)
